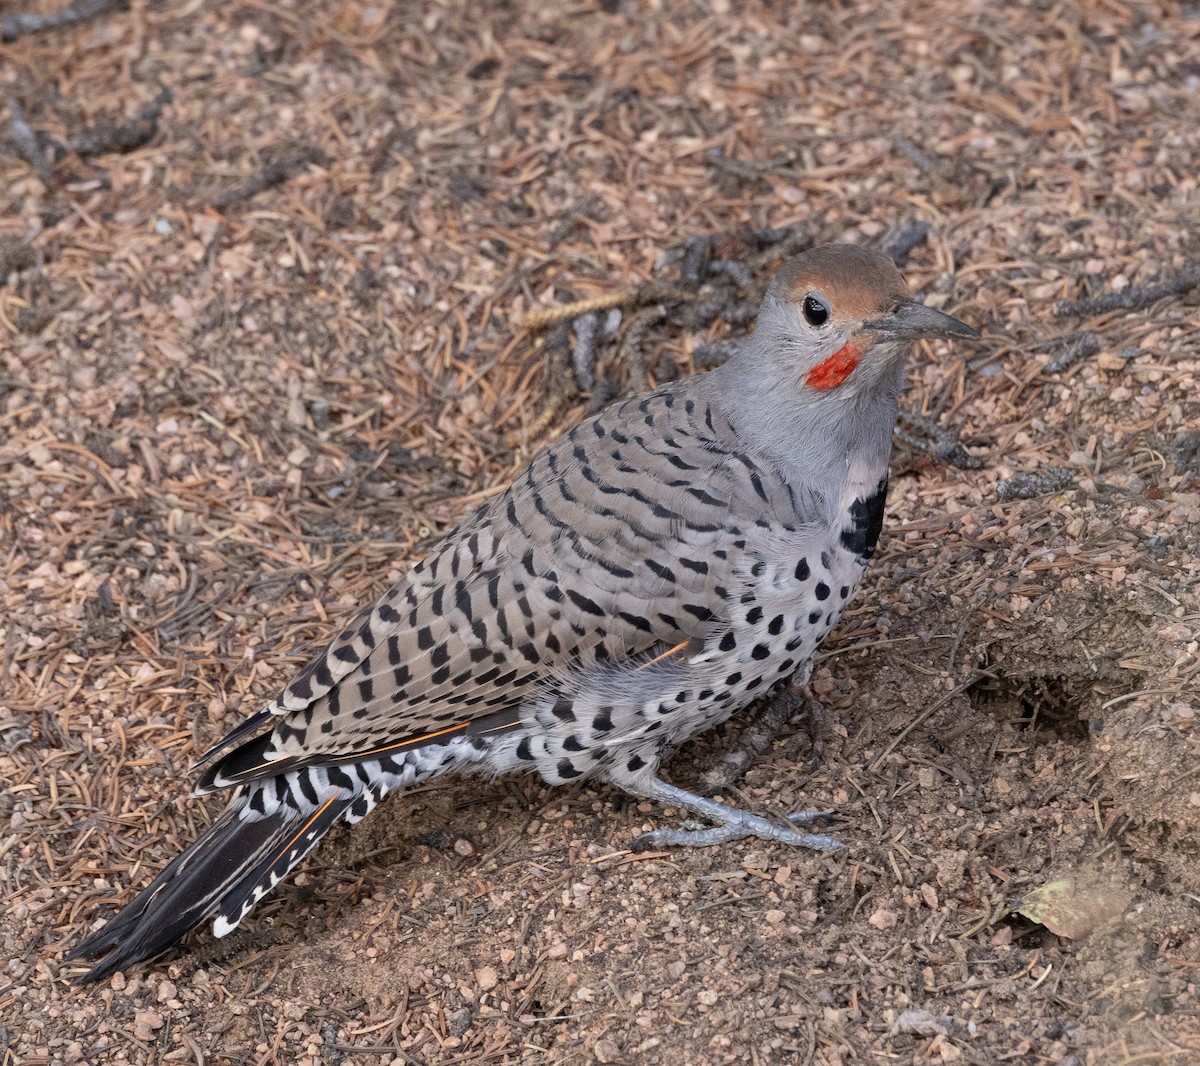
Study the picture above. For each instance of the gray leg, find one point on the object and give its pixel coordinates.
(731, 823)
(817, 722)
(785, 706)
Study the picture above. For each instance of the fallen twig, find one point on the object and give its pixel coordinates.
(709, 355)
(240, 942)
(21, 25)
(603, 394)
(36, 318)
(123, 137)
(1040, 482)
(1135, 297)
(899, 241)
(723, 305)
(756, 740)
(696, 253)
(739, 312)
(666, 369)
(717, 159)
(739, 273)
(633, 296)
(1185, 450)
(272, 174)
(586, 208)
(923, 162)
(27, 143)
(942, 443)
(15, 255)
(631, 352)
(559, 396)
(770, 235)
(41, 151)
(1075, 347)
(780, 244)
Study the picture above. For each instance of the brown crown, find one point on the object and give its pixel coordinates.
(857, 282)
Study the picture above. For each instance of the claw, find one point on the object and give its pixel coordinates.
(642, 843)
(808, 817)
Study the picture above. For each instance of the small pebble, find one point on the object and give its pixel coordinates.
(146, 1023)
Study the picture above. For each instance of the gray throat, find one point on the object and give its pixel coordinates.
(823, 444)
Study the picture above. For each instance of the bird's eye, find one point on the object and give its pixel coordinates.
(816, 311)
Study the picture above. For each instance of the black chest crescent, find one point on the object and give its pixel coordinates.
(866, 521)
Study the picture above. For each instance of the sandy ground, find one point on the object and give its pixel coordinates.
(263, 343)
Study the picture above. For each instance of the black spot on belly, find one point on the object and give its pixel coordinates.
(866, 522)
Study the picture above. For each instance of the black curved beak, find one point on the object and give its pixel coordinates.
(909, 320)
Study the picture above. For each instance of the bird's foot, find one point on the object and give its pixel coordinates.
(730, 823)
(743, 824)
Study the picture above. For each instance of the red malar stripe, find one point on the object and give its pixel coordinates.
(831, 373)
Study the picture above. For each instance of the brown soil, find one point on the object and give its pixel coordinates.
(259, 351)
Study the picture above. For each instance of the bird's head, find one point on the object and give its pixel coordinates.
(840, 320)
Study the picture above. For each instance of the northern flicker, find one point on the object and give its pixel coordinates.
(660, 566)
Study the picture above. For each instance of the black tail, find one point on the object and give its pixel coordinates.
(223, 874)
